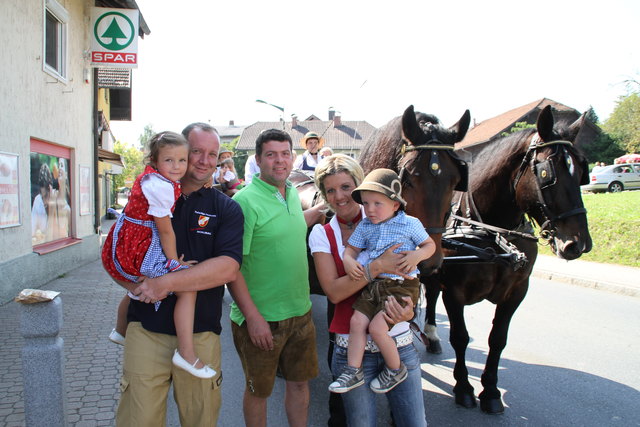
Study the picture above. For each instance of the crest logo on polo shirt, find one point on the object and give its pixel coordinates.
(203, 221)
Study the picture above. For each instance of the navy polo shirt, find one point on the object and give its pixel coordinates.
(207, 224)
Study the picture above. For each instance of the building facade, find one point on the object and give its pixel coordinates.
(50, 142)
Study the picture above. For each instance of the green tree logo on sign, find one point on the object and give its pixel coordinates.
(111, 36)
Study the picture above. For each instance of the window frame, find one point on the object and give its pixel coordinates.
(61, 15)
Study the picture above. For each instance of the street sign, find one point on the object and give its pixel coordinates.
(114, 37)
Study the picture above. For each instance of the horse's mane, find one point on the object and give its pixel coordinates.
(427, 118)
(500, 154)
(386, 142)
(503, 152)
(565, 130)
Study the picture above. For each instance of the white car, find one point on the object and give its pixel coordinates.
(614, 178)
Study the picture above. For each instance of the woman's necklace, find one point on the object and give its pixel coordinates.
(351, 223)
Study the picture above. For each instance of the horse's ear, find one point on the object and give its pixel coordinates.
(410, 128)
(574, 128)
(545, 124)
(462, 126)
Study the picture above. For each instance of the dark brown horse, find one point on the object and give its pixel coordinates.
(535, 172)
(420, 150)
(307, 190)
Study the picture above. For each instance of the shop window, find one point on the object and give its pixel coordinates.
(51, 198)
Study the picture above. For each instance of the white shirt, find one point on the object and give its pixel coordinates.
(159, 194)
(250, 168)
(228, 176)
(38, 216)
(311, 161)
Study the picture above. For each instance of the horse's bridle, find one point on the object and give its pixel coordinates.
(434, 145)
(545, 175)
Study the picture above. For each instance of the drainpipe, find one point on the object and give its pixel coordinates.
(96, 140)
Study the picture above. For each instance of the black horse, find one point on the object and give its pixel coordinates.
(535, 172)
(420, 150)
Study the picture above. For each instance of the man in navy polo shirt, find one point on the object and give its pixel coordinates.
(209, 229)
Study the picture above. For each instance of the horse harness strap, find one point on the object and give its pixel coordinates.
(495, 229)
(434, 166)
(434, 162)
(545, 175)
(300, 184)
(510, 255)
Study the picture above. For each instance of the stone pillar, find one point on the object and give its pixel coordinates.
(45, 401)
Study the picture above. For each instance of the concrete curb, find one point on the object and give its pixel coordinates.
(597, 284)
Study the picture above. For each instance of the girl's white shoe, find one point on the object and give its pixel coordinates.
(115, 337)
(204, 372)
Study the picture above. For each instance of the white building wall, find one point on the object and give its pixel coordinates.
(34, 104)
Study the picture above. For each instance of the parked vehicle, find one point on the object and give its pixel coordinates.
(614, 178)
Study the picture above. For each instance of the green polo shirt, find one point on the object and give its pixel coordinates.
(274, 253)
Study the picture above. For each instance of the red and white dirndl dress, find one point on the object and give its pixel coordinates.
(132, 248)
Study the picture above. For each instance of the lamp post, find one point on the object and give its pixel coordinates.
(260, 101)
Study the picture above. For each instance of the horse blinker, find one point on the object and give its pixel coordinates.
(546, 174)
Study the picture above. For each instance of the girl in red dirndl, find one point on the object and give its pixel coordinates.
(142, 242)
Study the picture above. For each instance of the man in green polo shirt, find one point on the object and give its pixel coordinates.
(280, 334)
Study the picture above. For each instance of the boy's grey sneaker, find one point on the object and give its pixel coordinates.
(349, 379)
(388, 379)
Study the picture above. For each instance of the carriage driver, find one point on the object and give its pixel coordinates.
(308, 161)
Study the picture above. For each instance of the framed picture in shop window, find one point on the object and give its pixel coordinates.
(85, 190)
(9, 190)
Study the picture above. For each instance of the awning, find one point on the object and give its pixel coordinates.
(109, 157)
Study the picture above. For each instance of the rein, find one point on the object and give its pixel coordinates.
(545, 177)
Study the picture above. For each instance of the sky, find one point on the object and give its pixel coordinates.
(210, 61)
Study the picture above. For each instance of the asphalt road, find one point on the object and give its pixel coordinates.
(573, 358)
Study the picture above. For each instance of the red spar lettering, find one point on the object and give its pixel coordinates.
(108, 57)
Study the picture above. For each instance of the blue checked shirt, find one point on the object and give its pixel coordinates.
(377, 238)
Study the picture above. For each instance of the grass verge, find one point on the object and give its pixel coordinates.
(614, 224)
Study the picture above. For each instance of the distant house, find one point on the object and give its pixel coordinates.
(230, 132)
(491, 129)
(343, 136)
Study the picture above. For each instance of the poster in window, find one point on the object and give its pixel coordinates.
(85, 190)
(50, 198)
(9, 191)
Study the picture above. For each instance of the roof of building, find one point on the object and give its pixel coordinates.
(230, 131)
(349, 135)
(487, 129)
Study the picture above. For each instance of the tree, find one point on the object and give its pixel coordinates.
(603, 149)
(146, 135)
(624, 123)
(518, 127)
(592, 116)
(133, 164)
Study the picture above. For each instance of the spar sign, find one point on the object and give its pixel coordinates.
(114, 37)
